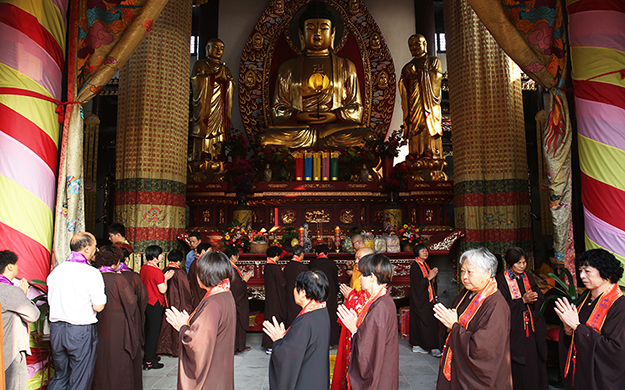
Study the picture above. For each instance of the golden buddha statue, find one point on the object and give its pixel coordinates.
(317, 97)
(420, 91)
(213, 87)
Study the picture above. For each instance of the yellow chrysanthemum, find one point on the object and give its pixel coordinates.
(227, 237)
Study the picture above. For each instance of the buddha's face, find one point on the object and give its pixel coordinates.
(318, 34)
(215, 50)
(418, 45)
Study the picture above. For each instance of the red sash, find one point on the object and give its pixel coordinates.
(310, 306)
(464, 320)
(173, 265)
(224, 285)
(271, 261)
(367, 306)
(515, 292)
(425, 269)
(296, 258)
(238, 270)
(595, 321)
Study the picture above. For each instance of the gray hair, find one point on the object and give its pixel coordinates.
(482, 258)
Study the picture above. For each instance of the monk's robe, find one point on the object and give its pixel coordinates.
(300, 360)
(179, 296)
(118, 365)
(206, 357)
(528, 335)
(197, 292)
(329, 268)
(238, 288)
(480, 353)
(292, 269)
(600, 356)
(374, 360)
(425, 329)
(275, 299)
(138, 287)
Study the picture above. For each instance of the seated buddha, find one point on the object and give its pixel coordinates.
(317, 101)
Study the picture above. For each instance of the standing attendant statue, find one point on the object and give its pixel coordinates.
(213, 87)
(420, 90)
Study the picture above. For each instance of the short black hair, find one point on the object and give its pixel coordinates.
(322, 248)
(273, 251)
(608, 266)
(204, 246)
(197, 235)
(316, 10)
(108, 255)
(125, 252)
(298, 250)
(6, 257)
(213, 267)
(378, 265)
(514, 255)
(80, 241)
(417, 248)
(153, 252)
(315, 283)
(230, 251)
(175, 256)
(117, 228)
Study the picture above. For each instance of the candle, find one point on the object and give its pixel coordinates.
(334, 165)
(317, 166)
(301, 235)
(308, 166)
(337, 237)
(299, 166)
(325, 166)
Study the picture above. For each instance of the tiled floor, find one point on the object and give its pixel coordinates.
(416, 371)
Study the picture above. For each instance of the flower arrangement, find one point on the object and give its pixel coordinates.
(398, 179)
(362, 155)
(409, 234)
(380, 145)
(237, 144)
(241, 175)
(237, 236)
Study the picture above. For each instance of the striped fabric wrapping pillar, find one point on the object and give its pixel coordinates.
(597, 35)
(152, 132)
(32, 43)
(491, 183)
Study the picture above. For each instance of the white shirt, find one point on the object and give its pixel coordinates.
(73, 289)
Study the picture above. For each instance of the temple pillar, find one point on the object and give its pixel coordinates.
(597, 47)
(425, 23)
(492, 203)
(152, 132)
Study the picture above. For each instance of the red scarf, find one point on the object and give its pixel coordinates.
(367, 306)
(425, 269)
(271, 261)
(310, 306)
(223, 286)
(595, 321)
(515, 292)
(464, 320)
(173, 265)
(296, 258)
(238, 270)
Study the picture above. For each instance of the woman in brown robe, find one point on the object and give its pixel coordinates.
(592, 338)
(118, 365)
(528, 332)
(238, 288)
(207, 335)
(477, 351)
(374, 359)
(179, 296)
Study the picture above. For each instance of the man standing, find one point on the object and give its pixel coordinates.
(117, 236)
(195, 239)
(327, 266)
(75, 294)
(17, 310)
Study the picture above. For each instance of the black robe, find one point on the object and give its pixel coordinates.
(118, 365)
(300, 360)
(197, 292)
(481, 353)
(178, 296)
(238, 288)
(425, 329)
(329, 268)
(374, 359)
(138, 287)
(292, 269)
(528, 354)
(600, 357)
(275, 301)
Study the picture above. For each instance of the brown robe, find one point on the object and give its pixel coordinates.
(197, 292)
(275, 301)
(528, 351)
(206, 358)
(138, 287)
(329, 268)
(374, 360)
(238, 287)
(118, 365)
(178, 296)
(600, 357)
(291, 270)
(481, 353)
(425, 329)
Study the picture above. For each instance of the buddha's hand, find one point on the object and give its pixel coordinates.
(314, 119)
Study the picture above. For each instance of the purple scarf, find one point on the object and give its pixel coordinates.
(123, 267)
(5, 280)
(76, 257)
(106, 268)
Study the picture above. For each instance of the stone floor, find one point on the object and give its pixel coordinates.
(416, 371)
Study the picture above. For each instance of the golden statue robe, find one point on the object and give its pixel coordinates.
(212, 106)
(342, 97)
(420, 91)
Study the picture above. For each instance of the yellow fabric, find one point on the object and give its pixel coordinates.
(593, 61)
(590, 244)
(36, 223)
(354, 282)
(597, 160)
(48, 15)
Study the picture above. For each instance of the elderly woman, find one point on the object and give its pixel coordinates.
(592, 339)
(207, 335)
(424, 328)
(374, 359)
(528, 332)
(300, 358)
(477, 351)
